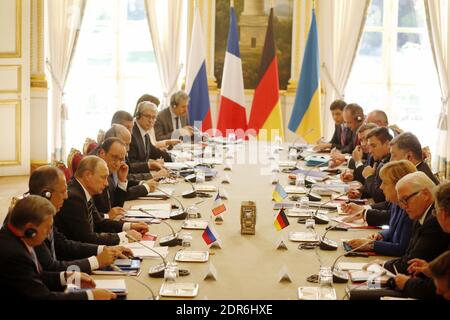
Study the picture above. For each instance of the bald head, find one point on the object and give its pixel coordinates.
(379, 117)
(119, 131)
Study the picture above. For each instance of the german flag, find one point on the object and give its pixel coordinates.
(281, 221)
(266, 118)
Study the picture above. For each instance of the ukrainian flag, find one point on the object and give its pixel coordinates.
(306, 113)
(279, 194)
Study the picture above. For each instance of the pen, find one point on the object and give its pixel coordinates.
(395, 270)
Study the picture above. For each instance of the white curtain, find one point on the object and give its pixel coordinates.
(64, 21)
(438, 15)
(165, 21)
(341, 24)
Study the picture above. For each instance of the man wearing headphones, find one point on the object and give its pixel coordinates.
(353, 119)
(50, 183)
(141, 147)
(172, 122)
(21, 275)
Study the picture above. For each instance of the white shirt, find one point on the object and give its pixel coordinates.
(422, 220)
(126, 226)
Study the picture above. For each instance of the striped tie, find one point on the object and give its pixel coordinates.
(51, 238)
(91, 213)
(36, 261)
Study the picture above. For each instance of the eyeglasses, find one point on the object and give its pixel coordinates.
(405, 201)
(148, 116)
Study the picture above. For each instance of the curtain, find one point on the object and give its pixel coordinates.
(438, 13)
(64, 21)
(341, 24)
(165, 22)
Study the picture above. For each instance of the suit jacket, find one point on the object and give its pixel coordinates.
(19, 277)
(377, 217)
(428, 241)
(73, 220)
(336, 140)
(68, 253)
(113, 196)
(423, 166)
(351, 144)
(371, 188)
(357, 172)
(397, 237)
(164, 126)
(137, 152)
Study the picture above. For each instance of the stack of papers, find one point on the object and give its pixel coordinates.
(117, 286)
(159, 194)
(316, 293)
(303, 237)
(159, 211)
(145, 253)
(205, 188)
(176, 165)
(294, 190)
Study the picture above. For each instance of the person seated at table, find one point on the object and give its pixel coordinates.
(379, 147)
(395, 240)
(380, 118)
(80, 220)
(360, 157)
(428, 240)
(353, 119)
(163, 144)
(342, 135)
(29, 223)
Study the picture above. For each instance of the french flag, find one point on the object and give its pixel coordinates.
(232, 112)
(197, 81)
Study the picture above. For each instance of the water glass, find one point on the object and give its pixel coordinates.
(200, 176)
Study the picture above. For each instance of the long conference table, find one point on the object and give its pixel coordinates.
(248, 266)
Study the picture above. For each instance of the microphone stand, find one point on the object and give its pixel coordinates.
(338, 275)
(116, 268)
(167, 241)
(189, 194)
(321, 218)
(179, 214)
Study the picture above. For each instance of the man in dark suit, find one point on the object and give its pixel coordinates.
(57, 253)
(406, 146)
(21, 275)
(141, 147)
(360, 156)
(428, 240)
(172, 122)
(378, 140)
(119, 189)
(80, 220)
(342, 134)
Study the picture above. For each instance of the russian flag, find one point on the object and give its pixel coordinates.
(197, 81)
(232, 112)
(209, 235)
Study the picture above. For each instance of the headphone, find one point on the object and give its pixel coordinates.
(46, 194)
(359, 118)
(27, 234)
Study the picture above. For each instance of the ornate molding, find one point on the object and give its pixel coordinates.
(18, 51)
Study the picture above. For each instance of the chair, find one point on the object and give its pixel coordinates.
(61, 166)
(73, 160)
(89, 145)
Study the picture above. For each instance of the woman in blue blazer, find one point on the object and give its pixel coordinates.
(393, 241)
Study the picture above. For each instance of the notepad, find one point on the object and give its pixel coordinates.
(159, 211)
(145, 253)
(117, 286)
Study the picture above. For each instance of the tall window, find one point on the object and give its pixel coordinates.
(394, 69)
(114, 64)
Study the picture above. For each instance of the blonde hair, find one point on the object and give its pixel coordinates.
(393, 171)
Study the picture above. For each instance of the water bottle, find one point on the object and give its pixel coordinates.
(171, 272)
(299, 180)
(326, 290)
(304, 202)
(186, 242)
(293, 155)
(200, 176)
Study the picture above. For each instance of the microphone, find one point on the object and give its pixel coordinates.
(167, 241)
(338, 275)
(116, 268)
(327, 244)
(189, 194)
(178, 214)
(321, 218)
(155, 271)
(299, 149)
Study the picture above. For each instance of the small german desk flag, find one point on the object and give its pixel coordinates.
(281, 221)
